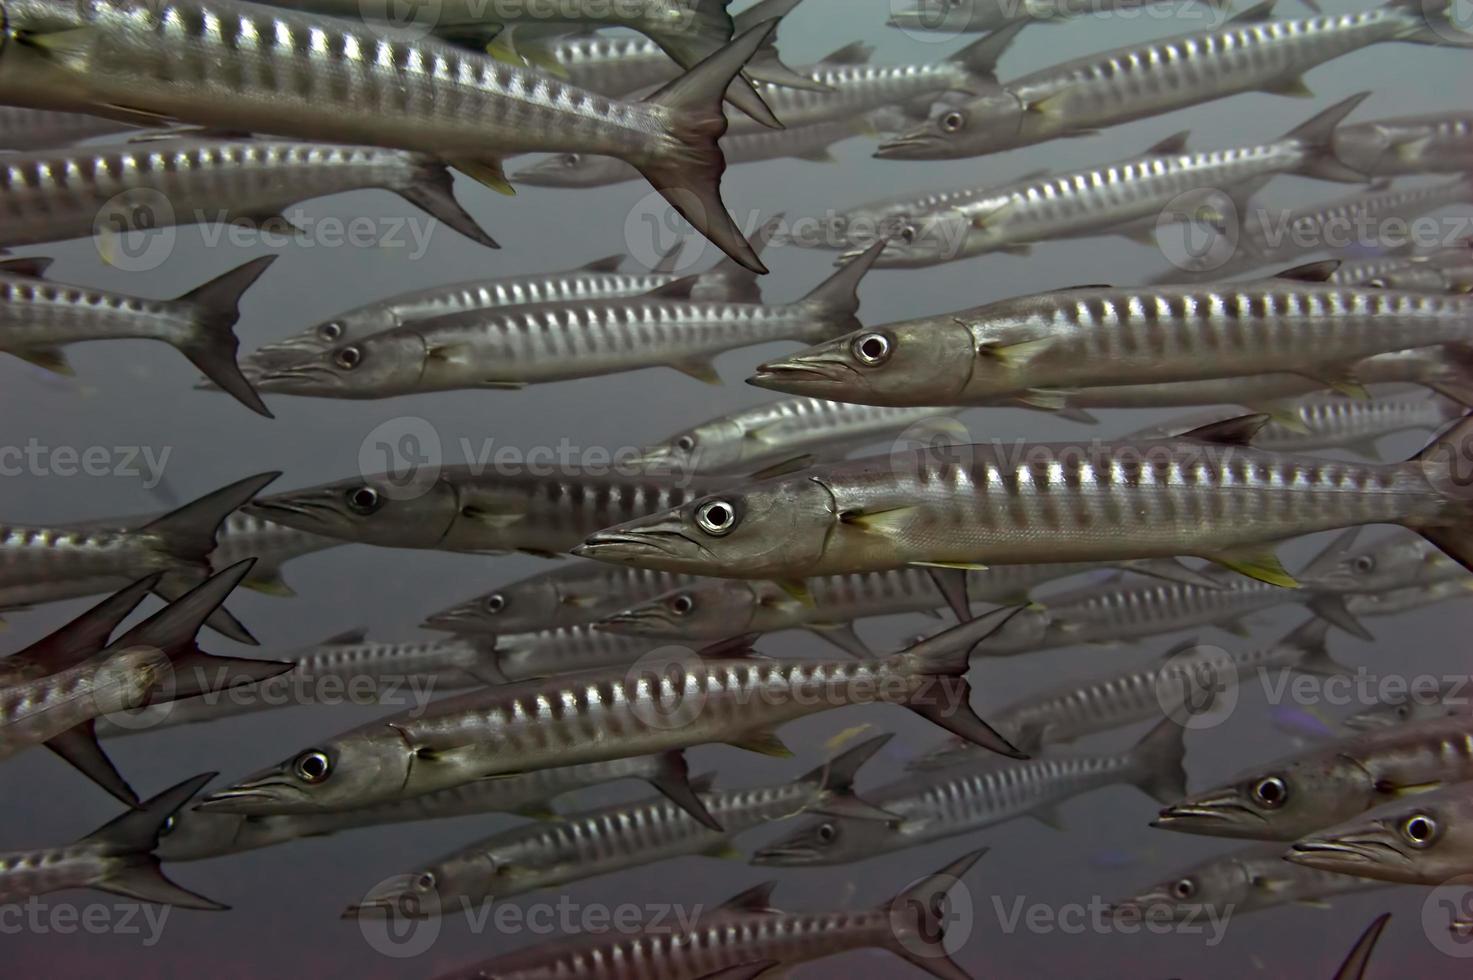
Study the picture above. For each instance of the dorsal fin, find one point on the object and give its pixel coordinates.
(703, 782)
(1171, 146)
(755, 899)
(734, 647)
(1237, 431)
(34, 266)
(857, 53)
(350, 637)
(679, 289)
(1255, 14)
(1311, 271)
(609, 263)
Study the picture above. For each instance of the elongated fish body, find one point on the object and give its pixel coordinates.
(50, 196)
(613, 65)
(1450, 697)
(608, 714)
(272, 545)
(745, 933)
(248, 68)
(517, 346)
(114, 858)
(39, 129)
(1410, 598)
(1249, 880)
(598, 280)
(896, 216)
(574, 594)
(1433, 143)
(1331, 422)
(565, 650)
(1249, 53)
(197, 834)
(964, 799)
(1290, 797)
(354, 672)
(526, 508)
(751, 438)
(35, 711)
(1392, 271)
(986, 16)
(1423, 841)
(1020, 502)
(1098, 336)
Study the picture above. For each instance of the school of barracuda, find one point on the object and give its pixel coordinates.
(1094, 606)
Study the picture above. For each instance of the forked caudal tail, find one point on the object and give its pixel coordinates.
(1447, 464)
(946, 657)
(688, 175)
(919, 916)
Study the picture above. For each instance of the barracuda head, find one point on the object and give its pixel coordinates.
(468, 876)
(320, 339)
(390, 510)
(1424, 841)
(1223, 884)
(706, 448)
(829, 840)
(987, 124)
(397, 362)
(711, 610)
(366, 766)
(915, 363)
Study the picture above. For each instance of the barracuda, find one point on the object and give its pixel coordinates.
(1117, 197)
(712, 609)
(573, 595)
(593, 716)
(1291, 797)
(38, 129)
(1206, 493)
(48, 564)
(271, 545)
(240, 67)
(1249, 880)
(51, 196)
(600, 279)
(1452, 697)
(1099, 336)
(512, 348)
(39, 316)
(615, 838)
(1425, 841)
(479, 509)
(114, 858)
(747, 930)
(1433, 143)
(983, 16)
(545, 653)
(937, 806)
(195, 835)
(1250, 53)
(1327, 422)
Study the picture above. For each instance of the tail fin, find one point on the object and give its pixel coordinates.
(766, 65)
(1447, 463)
(1430, 22)
(1317, 138)
(213, 345)
(672, 778)
(1307, 642)
(134, 835)
(173, 630)
(918, 919)
(433, 192)
(1354, 967)
(690, 177)
(1158, 757)
(83, 636)
(946, 655)
(835, 302)
(1455, 381)
(835, 783)
(980, 58)
(731, 282)
(707, 28)
(78, 747)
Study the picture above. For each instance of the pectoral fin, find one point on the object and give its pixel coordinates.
(486, 171)
(763, 742)
(1257, 562)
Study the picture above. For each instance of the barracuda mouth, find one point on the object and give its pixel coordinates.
(801, 369)
(291, 379)
(320, 510)
(1220, 811)
(247, 798)
(780, 855)
(1315, 852)
(647, 542)
(631, 620)
(902, 146)
(453, 619)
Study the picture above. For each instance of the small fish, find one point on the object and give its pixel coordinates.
(49, 564)
(615, 838)
(53, 196)
(39, 316)
(1422, 841)
(1099, 336)
(985, 16)
(571, 595)
(965, 799)
(723, 695)
(195, 835)
(1330, 422)
(513, 347)
(1207, 493)
(1252, 52)
(1237, 883)
(1450, 697)
(1328, 784)
(64, 688)
(912, 925)
(38, 129)
(115, 858)
(1433, 143)
(345, 81)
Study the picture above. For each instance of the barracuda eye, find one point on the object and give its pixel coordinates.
(872, 349)
(906, 234)
(682, 604)
(1270, 793)
(571, 160)
(827, 833)
(1419, 830)
(1364, 564)
(1184, 889)
(348, 358)
(330, 331)
(495, 602)
(716, 518)
(167, 827)
(685, 443)
(312, 766)
(953, 122)
(363, 500)
(425, 882)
